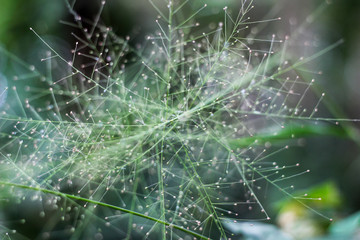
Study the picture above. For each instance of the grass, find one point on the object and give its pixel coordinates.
(166, 140)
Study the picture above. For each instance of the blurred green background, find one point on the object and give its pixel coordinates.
(334, 161)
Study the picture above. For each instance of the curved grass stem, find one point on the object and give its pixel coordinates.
(69, 196)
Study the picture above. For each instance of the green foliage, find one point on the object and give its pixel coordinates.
(166, 139)
(347, 228)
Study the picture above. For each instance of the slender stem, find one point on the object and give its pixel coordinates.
(64, 195)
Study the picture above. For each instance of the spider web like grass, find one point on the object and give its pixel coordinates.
(161, 141)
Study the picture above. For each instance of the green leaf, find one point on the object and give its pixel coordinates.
(347, 226)
(292, 131)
